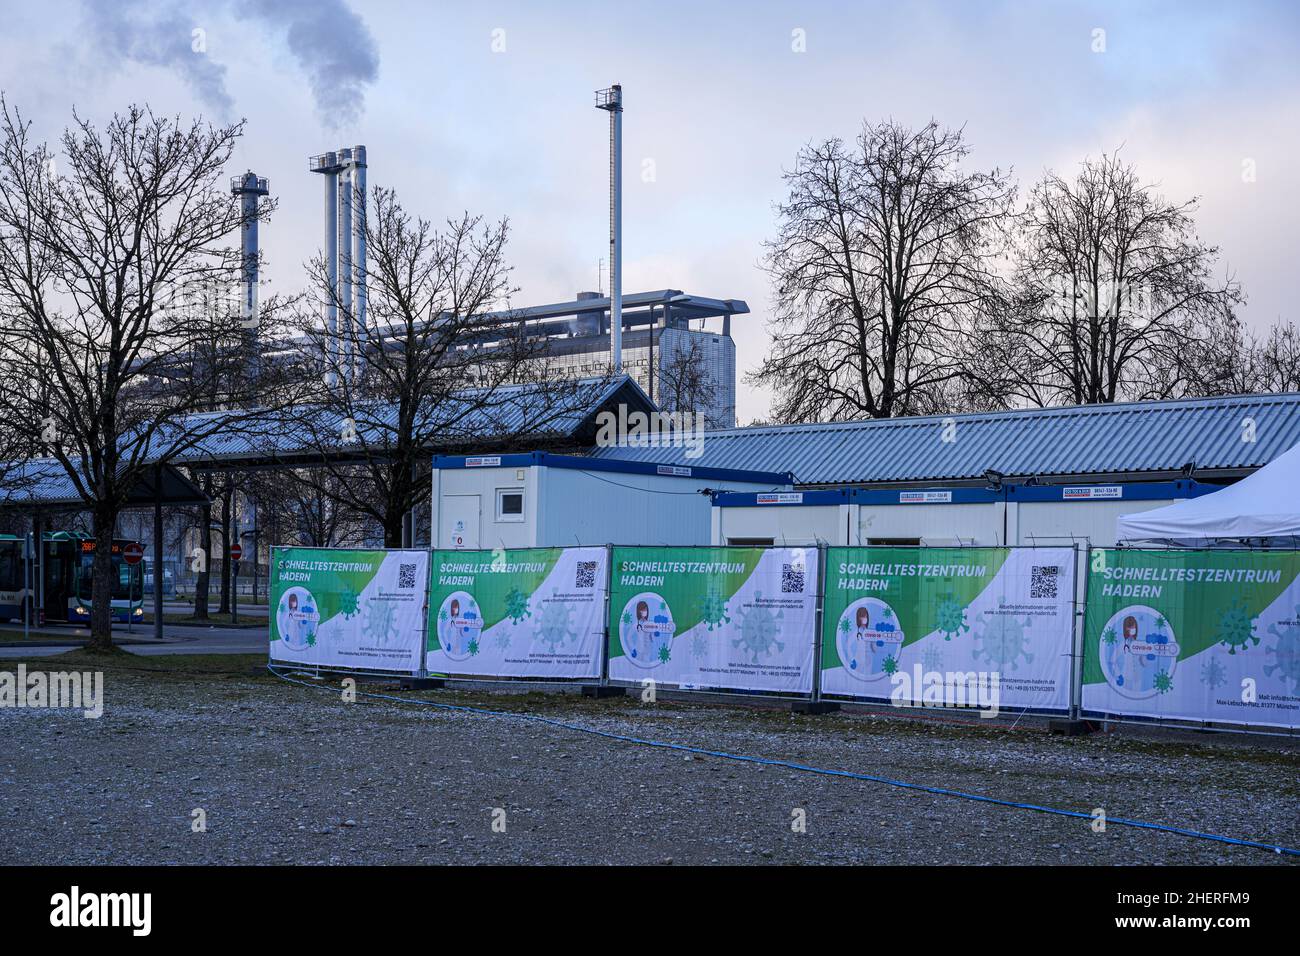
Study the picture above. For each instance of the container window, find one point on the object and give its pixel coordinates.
(510, 504)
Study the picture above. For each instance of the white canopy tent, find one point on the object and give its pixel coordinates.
(1263, 508)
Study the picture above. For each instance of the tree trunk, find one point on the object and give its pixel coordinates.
(103, 524)
(225, 550)
(393, 529)
(205, 545)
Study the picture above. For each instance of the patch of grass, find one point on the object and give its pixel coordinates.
(213, 618)
(162, 666)
(244, 599)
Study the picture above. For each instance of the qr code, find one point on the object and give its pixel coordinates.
(586, 576)
(1042, 583)
(406, 575)
(792, 578)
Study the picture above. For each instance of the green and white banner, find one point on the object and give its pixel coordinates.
(900, 621)
(730, 618)
(342, 608)
(531, 612)
(1194, 635)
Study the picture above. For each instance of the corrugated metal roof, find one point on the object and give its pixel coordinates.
(1138, 438)
(537, 412)
(44, 483)
(520, 411)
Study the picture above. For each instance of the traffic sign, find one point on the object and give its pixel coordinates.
(133, 553)
(236, 551)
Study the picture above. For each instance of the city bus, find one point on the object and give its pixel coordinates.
(68, 560)
(13, 584)
(68, 557)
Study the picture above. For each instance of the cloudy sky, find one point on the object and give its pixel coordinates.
(487, 107)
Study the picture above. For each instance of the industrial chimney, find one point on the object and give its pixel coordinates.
(345, 249)
(611, 100)
(249, 188)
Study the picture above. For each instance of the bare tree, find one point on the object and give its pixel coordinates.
(431, 369)
(1113, 295)
(303, 508)
(1227, 358)
(1277, 359)
(103, 357)
(884, 251)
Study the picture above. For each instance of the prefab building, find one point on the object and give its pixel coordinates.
(547, 500)
(1043, 475)
(942, 517)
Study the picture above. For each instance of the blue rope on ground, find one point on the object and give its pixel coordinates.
(805, 768)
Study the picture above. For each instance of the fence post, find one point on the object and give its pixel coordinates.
(815, 704)
(604, 628)
(422, 671)
(818, 622)
(1073, 725)
(602, 687)
(1077, 632)
(1081, 621)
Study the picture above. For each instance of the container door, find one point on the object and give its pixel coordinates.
(460, 520)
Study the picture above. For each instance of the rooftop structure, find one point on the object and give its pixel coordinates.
(1208, 439)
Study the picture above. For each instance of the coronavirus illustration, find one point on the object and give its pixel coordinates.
(760, 630)
(517, 605)
(699, 646)
(932, 659)
(348, 603)
(1002, 642)
(1109, 635)
(1284, 652)
(1236, 628)
(950, 618)
(1163, 682)
(713, 609)
(889, 665)
(555, 627)
(1213, 673)
(378, 625)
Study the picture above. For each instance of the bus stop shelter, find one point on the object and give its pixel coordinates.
(38, 488)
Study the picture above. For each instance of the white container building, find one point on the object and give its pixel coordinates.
(942, 517)
(540, 499)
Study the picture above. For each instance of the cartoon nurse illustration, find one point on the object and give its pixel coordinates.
(293, 621)
(858, 649)
(644, 637)
(1135, 663)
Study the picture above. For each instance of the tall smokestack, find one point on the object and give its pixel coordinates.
(249, 188)
(345, 258)
(359, 246)
(327, 164)
(611, 100)
(345, 253)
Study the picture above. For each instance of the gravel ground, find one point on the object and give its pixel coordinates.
(287, 774)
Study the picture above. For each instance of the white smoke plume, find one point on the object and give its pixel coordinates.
(330, 42)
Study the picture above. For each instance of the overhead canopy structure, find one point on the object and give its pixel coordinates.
(553, 415)
(1263, 508)
(44, 485)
